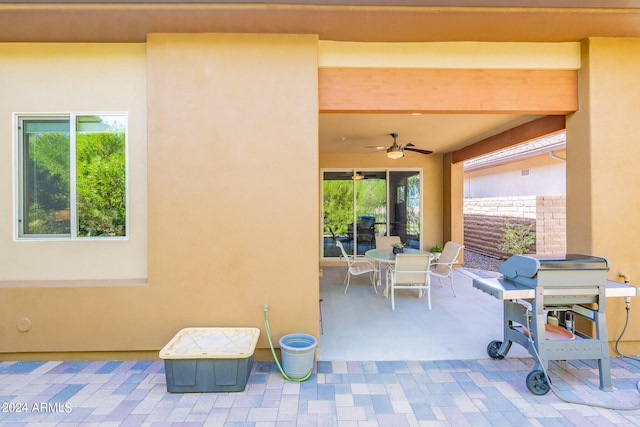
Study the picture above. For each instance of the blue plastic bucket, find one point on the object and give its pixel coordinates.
(297, 354)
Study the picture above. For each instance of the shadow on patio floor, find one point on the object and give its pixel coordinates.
(360, 324)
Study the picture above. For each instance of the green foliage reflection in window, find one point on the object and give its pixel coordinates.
(49, 186)
(100, 176)
(45, 179)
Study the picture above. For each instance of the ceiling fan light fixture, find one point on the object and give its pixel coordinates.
(395, 153)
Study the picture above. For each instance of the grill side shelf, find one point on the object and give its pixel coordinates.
(503, 289)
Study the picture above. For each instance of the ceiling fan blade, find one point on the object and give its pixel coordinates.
(417, 150)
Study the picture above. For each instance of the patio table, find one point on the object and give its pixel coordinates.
(387, 257)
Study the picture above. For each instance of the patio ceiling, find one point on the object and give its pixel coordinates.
(440, 133)
(355, 20)
(373, 21)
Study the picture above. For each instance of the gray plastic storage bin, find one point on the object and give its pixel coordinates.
(202, 360)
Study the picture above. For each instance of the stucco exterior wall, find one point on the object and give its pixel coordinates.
(233, 173)
(539, 175)
(73, 295)
(63, 78)
(603, 186)
(231, 126)
(453, 218)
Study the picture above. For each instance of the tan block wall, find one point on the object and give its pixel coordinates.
(551, 224)
(484, 220)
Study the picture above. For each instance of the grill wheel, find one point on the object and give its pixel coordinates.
(537, 383)
(492, 350)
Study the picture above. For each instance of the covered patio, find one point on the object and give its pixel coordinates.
(360, 324)
(272, 105)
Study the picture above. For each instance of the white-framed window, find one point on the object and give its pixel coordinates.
(71, 175)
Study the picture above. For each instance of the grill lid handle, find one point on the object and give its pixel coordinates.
(519, 265)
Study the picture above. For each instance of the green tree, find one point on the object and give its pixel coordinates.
(46, 182)
(338, 205)
(338, 202)
(100, 183)
(371, 198)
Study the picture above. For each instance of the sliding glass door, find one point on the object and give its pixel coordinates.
(361, 204)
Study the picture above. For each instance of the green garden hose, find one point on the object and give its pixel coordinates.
(273, 351)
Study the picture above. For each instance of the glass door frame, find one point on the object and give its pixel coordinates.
(353, 171)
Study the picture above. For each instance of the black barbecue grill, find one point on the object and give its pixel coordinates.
(568, 287)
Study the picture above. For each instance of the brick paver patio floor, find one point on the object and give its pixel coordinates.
(359, 393)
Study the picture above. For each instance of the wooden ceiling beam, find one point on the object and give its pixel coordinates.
(535, 129)
(447, 91)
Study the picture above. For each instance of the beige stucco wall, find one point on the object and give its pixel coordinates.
(540, 175)
(453, 207)
(224, 130)
(233, 178)
(458, 55)
(74, 295)
(63, 78)
(603, 184)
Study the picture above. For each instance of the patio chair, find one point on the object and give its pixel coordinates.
(410, 272)
(357, 265)
(444, 266)
(366, 231)
(386, 241)
(335, 237)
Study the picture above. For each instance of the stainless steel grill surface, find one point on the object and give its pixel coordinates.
(555, 270)
(545, 297)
